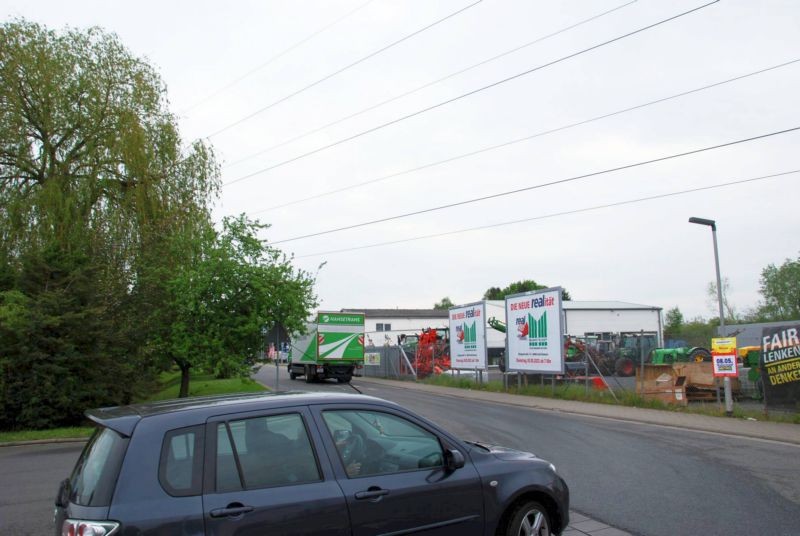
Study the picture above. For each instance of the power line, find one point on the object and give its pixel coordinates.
(539, 186)
(468, 94)
(526, 138)
(277, 56)
(553, 215)
(429, 84)
(346, 67)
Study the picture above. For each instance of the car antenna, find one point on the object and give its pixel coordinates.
(354, 387)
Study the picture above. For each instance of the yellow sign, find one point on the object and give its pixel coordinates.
(723, 345)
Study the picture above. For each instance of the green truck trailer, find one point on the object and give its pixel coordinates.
(332, 347)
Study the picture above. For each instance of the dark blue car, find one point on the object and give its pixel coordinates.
(299, 463)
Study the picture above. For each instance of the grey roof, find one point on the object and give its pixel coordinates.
(442, 313)
(399, 313)
(616, 305)
(600, 306)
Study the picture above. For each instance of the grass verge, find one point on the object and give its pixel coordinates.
(167, 387)
(577, 392)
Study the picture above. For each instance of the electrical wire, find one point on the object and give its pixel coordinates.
(429, 84)
(541, 185)
(341, 70)
(277, 57)
(468, 94)
(553, 215)
(525, 138)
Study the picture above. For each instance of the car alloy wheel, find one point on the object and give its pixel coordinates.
(530, 520)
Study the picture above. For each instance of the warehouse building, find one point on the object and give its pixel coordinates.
(383, 326)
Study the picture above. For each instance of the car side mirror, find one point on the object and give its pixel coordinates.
(453, 460)
(61, 496)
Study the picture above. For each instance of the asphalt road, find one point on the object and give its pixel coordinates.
(644, 479)
(29, 477)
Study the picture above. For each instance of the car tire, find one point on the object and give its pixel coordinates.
(530, 519)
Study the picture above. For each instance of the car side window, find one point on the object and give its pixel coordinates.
(180, 468)
(374, 443)
(263, 452)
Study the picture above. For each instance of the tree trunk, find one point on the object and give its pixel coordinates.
(184, 392)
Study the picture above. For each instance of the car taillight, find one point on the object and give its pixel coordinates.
(77, 527)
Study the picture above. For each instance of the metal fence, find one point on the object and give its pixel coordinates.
(387, 362)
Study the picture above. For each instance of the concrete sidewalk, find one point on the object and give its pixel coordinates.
(784, 432)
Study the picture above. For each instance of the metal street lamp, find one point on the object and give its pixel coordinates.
(726, 382)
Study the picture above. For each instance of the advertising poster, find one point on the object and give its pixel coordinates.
(372, 359)
(723, 355)
(468, 336)
(535, 338)
(780, 366)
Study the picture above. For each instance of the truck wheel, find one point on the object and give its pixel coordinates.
(292, 375)
(309, 374)
(346, 379)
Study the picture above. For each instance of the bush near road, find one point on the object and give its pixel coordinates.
(166, 388)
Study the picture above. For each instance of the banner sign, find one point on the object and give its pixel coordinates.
(535, 332)
(340, 336)
(780, 365)
(372, 359)
(723, 355)
(468, 336)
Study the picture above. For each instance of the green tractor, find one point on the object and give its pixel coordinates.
(684, 354)
(621, 353)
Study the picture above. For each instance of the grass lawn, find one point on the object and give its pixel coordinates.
(201, 385)
(167, 387)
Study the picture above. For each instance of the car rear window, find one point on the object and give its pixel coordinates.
(95, 475)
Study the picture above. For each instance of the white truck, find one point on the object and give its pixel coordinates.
(332, 347)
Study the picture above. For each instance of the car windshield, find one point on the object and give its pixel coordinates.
(92, 481)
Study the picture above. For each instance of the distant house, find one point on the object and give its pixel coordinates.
(385, 325)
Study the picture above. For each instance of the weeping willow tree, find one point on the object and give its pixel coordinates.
(99, 203)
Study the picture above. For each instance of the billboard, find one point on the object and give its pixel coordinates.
(535, 332)
(468, 336)
(780, 366)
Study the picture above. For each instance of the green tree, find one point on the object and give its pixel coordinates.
(497, 293)
(780, 288)
(444, 303)
(729, 310)
(94, 186)
(219, 302)
(673, 323)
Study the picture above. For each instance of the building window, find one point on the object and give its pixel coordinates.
(383, 327)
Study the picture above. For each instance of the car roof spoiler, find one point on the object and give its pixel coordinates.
(121, 419)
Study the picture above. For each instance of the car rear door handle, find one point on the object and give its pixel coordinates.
(231, 511)
(372, 493)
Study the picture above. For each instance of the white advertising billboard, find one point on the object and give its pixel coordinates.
(468, 336)
(534, 338)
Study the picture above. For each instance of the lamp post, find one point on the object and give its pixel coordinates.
(726, 382)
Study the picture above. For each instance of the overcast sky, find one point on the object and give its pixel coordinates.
(223, 62)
